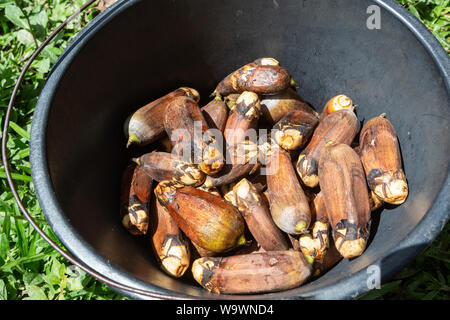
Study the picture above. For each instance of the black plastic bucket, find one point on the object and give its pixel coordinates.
(137, 51)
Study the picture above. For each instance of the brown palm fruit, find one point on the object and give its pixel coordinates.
(293, 131)
(329, 260)
(169, 243)
(206, 219)
(166, 166)
(288, 204)
(252, 273)
(257, 216)
(261, 76)
(274, 107)
(216, 114)
(341, 127)
(242, 118)
(344, 188)
(336, 103)
(146, 125)
(244, 161)
(380, 156)
(315, 244)
(135, 199)
(191, 136)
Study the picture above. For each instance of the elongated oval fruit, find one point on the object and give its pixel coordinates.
(135, 200)
(380, 156)
(346, 198)
(216, 114)
(242, 118)
(274, 107)
(315, 245)
(340, 127)
(293, 131)
(252, 273)
(147, 124)
(258, 78)
(336, 103)
(192, 138)
(166, 166)
(257, 216)
(206, 219)
(169, 243)
(288, 204)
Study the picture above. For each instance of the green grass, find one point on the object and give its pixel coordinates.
(29, 267)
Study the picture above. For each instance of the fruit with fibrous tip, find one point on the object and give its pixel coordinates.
(135, 199)
(380, 156)
(294, 130)
(191, 136)
(261, 76)
(346, 198)
(252, 273)
(288, 204)
(206, 219)
(242, 118)
(169, 243)
(216, 114)
(274, 107)
(336, 103)
(315, 244)
(340, 127)
(375, 201)
(146, 125)
(166, 166)
(257, 216)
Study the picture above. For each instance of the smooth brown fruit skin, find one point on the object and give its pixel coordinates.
(166, 166)
(216, 114)
(274, 107)
(293, 131)
(341, 127)
(242, 118)
(206, 219)
(183, 113)
(199, 252)
(288, 203)
(336, 103)
(169, 243)
(380, 156)
(147, 124)
(258, 218)
(346, 198)
(258, 78)
(252, 273)
(135, 199)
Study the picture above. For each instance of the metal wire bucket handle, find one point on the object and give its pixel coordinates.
(22, 208)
